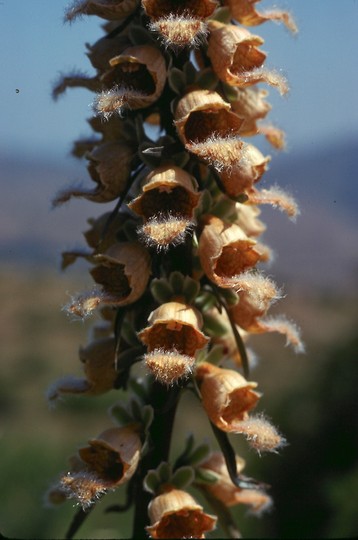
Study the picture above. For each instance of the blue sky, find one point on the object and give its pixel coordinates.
(35, 46)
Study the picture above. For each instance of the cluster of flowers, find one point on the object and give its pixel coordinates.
(178, 290)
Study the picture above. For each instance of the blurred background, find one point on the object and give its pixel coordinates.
(312, 398)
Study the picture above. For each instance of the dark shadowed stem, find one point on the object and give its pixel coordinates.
(77, 521)
(238, 339)
(165, 403)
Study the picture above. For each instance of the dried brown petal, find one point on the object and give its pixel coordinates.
(113, 456)
(245, 172)
(111, 10)
(245, 13)
(236, 59)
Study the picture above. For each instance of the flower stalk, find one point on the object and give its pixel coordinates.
(175, 261)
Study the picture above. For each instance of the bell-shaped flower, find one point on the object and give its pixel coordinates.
(167, 202)
(136, 80)
(172, 338)
(225, 251)
(236, 58)
(227, 396)
(176, 514)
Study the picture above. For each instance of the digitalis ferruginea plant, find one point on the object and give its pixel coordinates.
(179, 94)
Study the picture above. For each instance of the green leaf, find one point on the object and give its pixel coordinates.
(200, 454)
(176, 280)
(215, 355)
(204, 476)
(177, 82)
(183, 477)
(139, 35)
(230, 297)
(147, 416)
(161, 290)
(213, 326)
(191, 288)
(207, 79)
(120, 414)
(136, 410)
(151, 482)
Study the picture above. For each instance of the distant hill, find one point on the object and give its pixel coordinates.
(319, 250)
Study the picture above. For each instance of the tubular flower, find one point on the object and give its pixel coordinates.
(179, 23)
(136, 80)
(112, 10)
(123, 271)
(227, 396)
(167, 202)
(176, 514)
(225, 251)
(244, 12)
(172, 338)
(109, 167)
(236, 58)
(225, 491)
(100, 373)
(110, 460)
(250, 104)
(203, 114)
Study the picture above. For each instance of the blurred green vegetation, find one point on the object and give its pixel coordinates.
(312, 399)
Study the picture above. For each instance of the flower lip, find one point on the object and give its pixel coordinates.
(174, 325)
